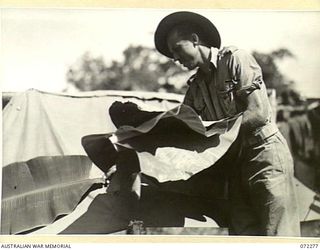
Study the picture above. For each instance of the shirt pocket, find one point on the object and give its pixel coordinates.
(227, 96)
(199, 105)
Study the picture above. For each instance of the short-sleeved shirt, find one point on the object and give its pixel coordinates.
(234, 75)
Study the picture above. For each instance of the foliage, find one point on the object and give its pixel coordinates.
(271, 74)
(143, 69)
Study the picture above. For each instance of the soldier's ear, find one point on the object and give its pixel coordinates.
(195, 38)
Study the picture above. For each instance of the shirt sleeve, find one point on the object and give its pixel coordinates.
(246, 73)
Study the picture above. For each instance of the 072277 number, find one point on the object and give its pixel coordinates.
(309, 246)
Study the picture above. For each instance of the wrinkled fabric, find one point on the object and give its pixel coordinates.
(170, 151)
(263, 198)
(284, 129)
(45, 169)
(173, 145)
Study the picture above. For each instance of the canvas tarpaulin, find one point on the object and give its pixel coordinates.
(45, 169)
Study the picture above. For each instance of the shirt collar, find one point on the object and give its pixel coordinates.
(214, 56)
(213, 59)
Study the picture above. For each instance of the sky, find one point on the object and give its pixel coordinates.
(39, 45)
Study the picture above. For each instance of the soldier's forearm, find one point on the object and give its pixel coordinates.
(252, 120)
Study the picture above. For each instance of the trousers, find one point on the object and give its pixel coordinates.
(262, 192)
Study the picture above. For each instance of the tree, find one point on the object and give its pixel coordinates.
(270, 71)
(88, 73)
(142, 69)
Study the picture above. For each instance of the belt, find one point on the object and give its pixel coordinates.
(260, 135)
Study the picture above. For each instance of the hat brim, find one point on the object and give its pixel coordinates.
(206, 27)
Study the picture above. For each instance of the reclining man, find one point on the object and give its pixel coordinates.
(227, 82)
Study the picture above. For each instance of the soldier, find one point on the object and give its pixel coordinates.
(228, 82)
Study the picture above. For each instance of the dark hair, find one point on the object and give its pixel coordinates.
(185, 30)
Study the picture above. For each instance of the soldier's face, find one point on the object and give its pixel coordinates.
(183, 50)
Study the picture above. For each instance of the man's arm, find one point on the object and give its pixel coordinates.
(251, 95)
(255, 114)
